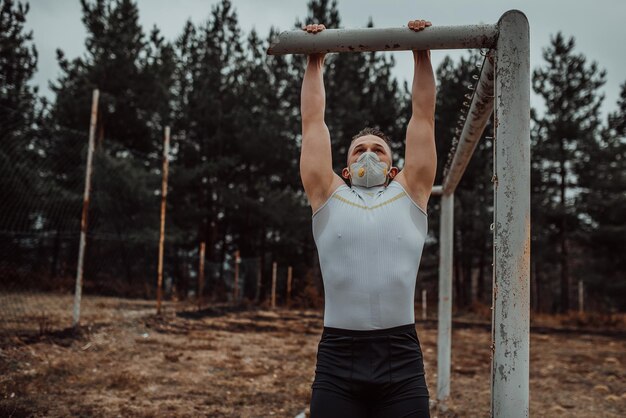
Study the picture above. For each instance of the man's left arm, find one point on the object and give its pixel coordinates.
(420, 162)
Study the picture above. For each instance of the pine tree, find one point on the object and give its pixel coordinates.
(602, 201)
(569, 87)
(19, 122)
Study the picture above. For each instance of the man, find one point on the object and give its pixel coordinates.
(369, 237)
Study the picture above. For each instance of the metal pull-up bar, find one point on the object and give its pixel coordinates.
(385, 39)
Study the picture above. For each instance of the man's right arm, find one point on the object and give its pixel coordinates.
(316, 165)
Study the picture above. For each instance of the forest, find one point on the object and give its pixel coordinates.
(234, 181)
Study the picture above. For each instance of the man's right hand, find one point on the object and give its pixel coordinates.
(313, 29)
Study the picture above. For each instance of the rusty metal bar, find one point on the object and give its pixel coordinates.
(166, 151)
(84, 218)
(384, 39)
(511, 255)
(444, 323)
(480, 109)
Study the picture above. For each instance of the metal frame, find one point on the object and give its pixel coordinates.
(505, 77)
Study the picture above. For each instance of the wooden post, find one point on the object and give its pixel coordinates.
(83, 222)
(201, 275)
(259, 272)
(166, 150)
(424, 302)
(581, 295)
(289, 276)
(236, 287)
(274, 267)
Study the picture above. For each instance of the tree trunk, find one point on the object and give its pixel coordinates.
(563, 238)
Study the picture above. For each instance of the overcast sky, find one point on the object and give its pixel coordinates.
(598, 26)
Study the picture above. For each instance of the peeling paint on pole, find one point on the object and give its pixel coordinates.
(384, 39)
(78, 290)
(511, 302)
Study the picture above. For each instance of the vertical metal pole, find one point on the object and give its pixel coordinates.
(274, 267)
(424, 304)
(581, 295)
(166, 150)
(511, 270)
(236, 287)
(444, 336)
(83, 221)
(201, 274)
(289, 277)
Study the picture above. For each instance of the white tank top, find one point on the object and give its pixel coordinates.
(370, 243)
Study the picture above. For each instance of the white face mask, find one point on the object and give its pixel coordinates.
(368, 170)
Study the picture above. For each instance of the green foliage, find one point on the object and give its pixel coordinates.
(561, 140)
(234, 162)
(602, 201)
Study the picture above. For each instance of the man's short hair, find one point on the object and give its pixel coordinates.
(372, 131)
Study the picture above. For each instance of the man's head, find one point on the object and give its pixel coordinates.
(374, 141)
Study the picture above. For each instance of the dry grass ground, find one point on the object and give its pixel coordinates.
(226, 362)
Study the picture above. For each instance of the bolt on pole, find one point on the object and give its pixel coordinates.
(84, 218)
(166, 150)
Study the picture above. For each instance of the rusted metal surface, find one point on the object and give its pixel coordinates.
(444, 337)
(84, 219)
(166, 151)
(511, 301)
(384, 39)
(480, 109)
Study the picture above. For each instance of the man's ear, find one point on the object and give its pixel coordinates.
(393, 172)
(345, 173)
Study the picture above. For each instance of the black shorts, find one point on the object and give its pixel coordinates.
(361, 374)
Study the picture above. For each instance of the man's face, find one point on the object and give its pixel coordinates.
(373, 144)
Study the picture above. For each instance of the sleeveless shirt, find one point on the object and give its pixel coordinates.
(370, 243)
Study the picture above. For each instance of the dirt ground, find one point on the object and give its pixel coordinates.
(252, 362)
